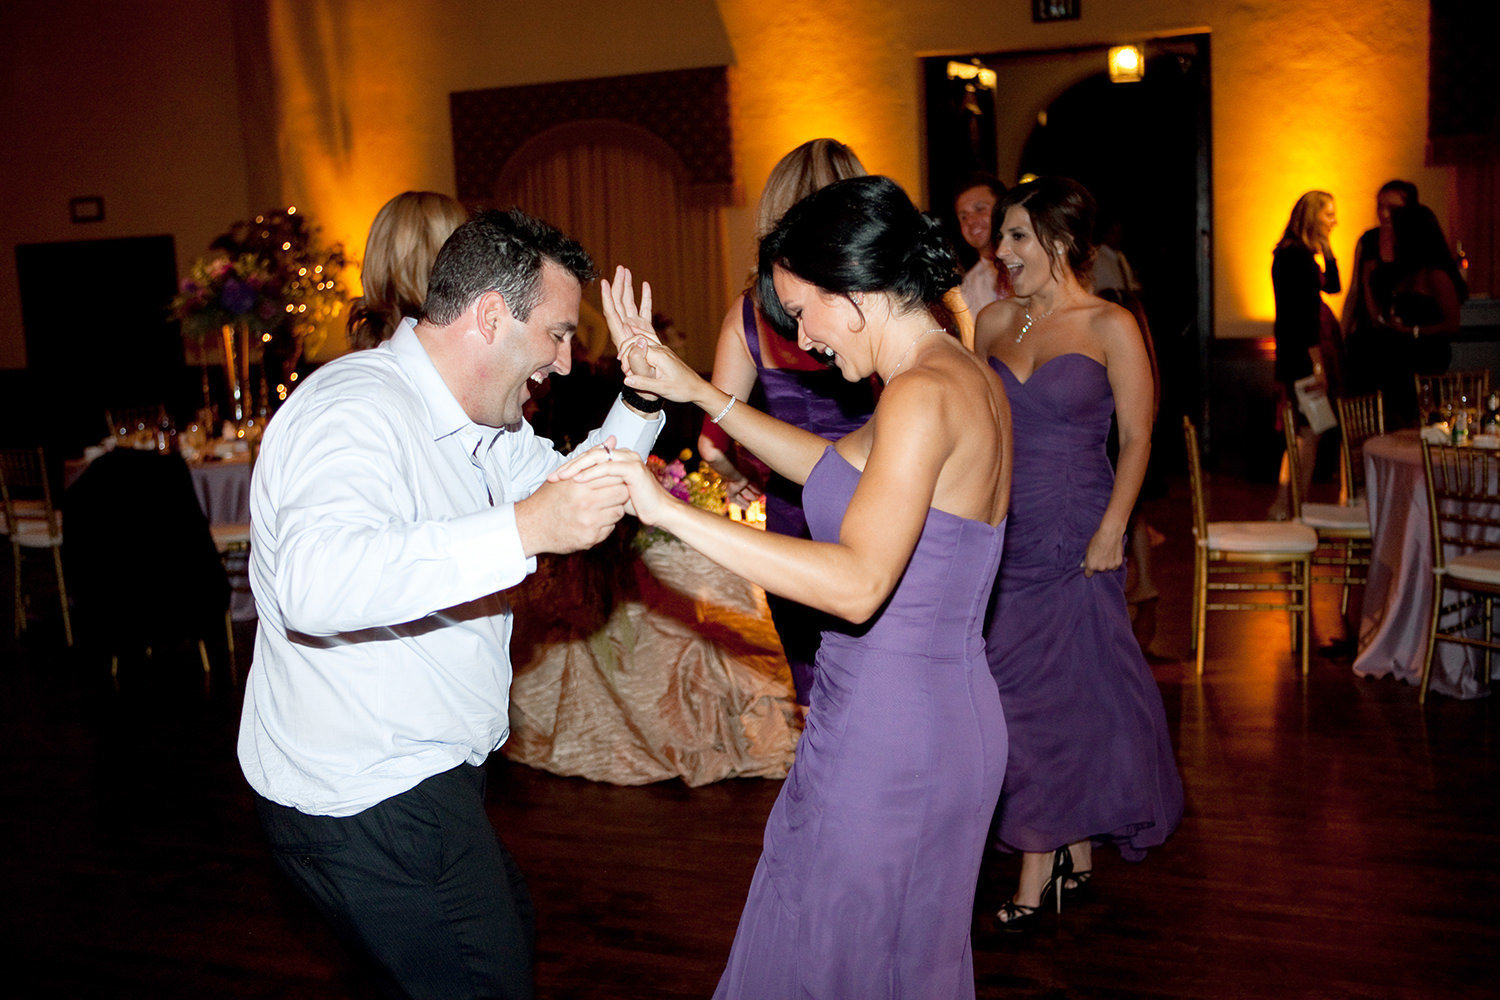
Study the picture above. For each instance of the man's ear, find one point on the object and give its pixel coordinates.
(492, 315)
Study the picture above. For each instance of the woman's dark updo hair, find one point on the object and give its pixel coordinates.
(1062, 212)
(862, 234)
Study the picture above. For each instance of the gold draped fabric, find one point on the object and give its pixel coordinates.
(640, 670)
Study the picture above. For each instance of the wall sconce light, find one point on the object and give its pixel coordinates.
(1126, 65)
(981, 75)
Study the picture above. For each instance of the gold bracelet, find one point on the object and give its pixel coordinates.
(727, 407)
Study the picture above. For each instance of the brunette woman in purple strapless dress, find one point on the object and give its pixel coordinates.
(865, 889)
(755, 363)
(1090, 758)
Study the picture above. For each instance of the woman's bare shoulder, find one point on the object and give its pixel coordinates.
(994, 319)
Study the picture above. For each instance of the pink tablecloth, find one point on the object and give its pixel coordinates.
(223, 489)
(224, 494)
(1398, 598)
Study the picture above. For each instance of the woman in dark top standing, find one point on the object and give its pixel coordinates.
(1413, 300)
(1308, 341)
(1366, 344)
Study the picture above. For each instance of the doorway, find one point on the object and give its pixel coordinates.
(98, 333)
(1142, 149)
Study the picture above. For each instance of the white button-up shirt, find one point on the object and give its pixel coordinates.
(383, 529)
(980, 286)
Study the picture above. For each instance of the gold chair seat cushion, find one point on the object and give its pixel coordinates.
(34, 535)
(26, 510)
(1336, 517)
(227, 535)
(1479, 567)
(1261, 536)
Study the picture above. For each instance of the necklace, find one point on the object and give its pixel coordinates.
(1026, 326)
(907, 353)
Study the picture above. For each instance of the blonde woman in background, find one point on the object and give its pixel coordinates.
(404, 241)
(1308, 338)
(790, 385)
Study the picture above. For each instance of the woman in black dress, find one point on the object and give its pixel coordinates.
(1308, 341)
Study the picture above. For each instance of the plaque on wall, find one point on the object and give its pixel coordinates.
(1054, 10)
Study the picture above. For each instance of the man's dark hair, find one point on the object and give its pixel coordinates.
(499, 252)
(981, 179)
(1406, 189)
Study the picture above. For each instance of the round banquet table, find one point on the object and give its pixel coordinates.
(1394, 623)
(635, 669)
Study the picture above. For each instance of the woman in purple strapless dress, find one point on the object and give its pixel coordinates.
(755, 363)
(1090, 757)
(865, 888)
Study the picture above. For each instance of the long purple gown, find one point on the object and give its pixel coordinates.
(865, 887)
(823, 402)
(1090, 755)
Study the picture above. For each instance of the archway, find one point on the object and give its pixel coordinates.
(1141, 148)
(624, 194)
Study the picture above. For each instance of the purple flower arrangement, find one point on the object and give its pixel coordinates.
(270, 274)
(702, 488)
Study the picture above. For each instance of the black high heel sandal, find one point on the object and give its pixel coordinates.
(1018, 918)
(1077, 885)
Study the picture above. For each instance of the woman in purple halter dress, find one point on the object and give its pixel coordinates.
(1090, 756)
(755, 363)
(865, 888)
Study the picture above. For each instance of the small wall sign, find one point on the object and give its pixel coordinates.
(1054, 10)
(90, 209)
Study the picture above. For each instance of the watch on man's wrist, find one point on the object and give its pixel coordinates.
(639, 402)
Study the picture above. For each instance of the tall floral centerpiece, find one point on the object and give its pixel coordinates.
(267, 287)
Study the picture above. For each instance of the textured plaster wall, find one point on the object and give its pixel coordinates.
(1330, 94)
(137, 100)
(132, 101)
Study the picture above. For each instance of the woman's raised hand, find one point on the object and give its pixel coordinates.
(654, 368)
(627, 321)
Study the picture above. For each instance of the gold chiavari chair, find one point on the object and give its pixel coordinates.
(1360, 418)
(1225, 553)
(1343, 553)
(1463, 498)
(232, 540)
(32, 521)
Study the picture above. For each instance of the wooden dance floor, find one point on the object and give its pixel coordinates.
(1339, 842)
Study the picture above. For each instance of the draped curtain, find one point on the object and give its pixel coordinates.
(623, 194)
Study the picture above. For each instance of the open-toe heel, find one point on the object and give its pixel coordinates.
(1062, 870)
(1079, 885)
(1018, 918)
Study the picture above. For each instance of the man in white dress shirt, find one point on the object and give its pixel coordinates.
(397, 493)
